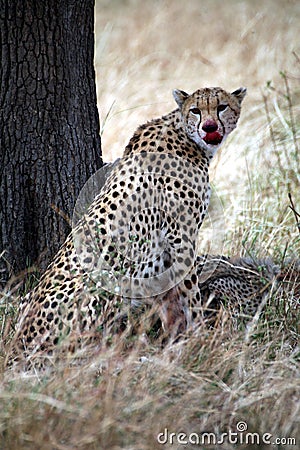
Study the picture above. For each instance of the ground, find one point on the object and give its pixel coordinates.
(129, 392)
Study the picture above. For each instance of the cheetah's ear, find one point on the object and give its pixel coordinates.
(180, 97)
(240, 94)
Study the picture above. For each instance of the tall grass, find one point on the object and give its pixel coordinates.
(269, 222)
(123, 394)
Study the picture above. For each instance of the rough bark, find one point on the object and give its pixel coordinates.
(49, 125)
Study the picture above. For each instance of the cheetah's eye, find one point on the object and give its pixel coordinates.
(195, 111)
(222, 108)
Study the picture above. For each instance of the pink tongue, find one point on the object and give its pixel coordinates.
(213, 138)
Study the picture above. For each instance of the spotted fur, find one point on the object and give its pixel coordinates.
(239, 284)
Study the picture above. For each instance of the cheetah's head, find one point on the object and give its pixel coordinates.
(209, 115)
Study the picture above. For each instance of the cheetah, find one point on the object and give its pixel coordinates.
(241, 284)
(136, 242)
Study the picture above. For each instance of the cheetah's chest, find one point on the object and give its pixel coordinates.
(148, 241)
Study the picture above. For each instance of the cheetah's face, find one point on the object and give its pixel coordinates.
(209, 115)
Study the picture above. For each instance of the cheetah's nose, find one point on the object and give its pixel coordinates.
(209, 126)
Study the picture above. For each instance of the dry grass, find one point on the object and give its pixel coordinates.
(122, 396)
(121, 399)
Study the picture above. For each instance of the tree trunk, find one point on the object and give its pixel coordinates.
(49, 124)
